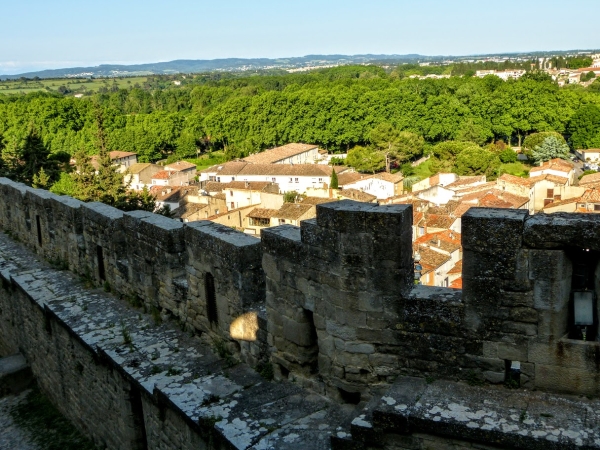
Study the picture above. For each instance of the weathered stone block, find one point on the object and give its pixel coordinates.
(549, 265)
(488, 229)
(548, 231)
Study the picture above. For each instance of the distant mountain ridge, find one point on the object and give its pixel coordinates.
(248, 64)
(225, 65)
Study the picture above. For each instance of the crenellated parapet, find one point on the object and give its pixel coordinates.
(332, 304)
(151, 261)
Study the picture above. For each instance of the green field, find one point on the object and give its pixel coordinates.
(74, 85)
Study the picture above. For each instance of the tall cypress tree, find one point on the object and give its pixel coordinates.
(334, 180)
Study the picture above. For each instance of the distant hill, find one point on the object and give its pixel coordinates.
(225, 65)
(241, 64)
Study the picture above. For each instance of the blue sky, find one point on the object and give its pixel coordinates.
(38, 34)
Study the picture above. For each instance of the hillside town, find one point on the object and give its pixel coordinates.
(284, 185)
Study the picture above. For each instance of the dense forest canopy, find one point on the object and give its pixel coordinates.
(336, 108)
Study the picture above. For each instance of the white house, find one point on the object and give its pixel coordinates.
(289, 177)
(123, 159)
(381, 185)
(188, 169)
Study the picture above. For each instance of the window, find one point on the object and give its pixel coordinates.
(211, 298)
(100, 257)
(231, 193)
(596, 207)
(273, 180)
(421, 231)
(39, 229)
(281, 221)
(445, 282)
(232, 205)
(259, 222)
(320, 180)
(297, 181)
(549, 193)
(291, 180)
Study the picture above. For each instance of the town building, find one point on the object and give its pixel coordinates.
(289, 177)
(139, 175)
(287, 154)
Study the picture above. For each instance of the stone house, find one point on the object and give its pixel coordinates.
(293, 214)
(258, 219)
(382, 185)
(558, 167)
(170, 178)
(123, 159)
(590, 154)
(139, 175)
(245, 193)
(184, 167)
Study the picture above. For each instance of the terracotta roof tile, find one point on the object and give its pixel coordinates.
(350, 177)
(262, 213)
(317, 200)
(465, 181)
(355, 194)
(431, 260)
(180, 165)
(457, 268)
(162, 175)
(119, 154)
(391, 177)
(590, 178)
(292, 211)
(278, 153)
(457, 284)
(439, 221)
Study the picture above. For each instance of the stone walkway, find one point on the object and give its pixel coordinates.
(12, 437)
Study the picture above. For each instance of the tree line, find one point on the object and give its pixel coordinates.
(338, 109)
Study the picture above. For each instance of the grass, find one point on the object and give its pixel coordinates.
(47, 427)
(76, 85)
(423, 170)
(517, 169)
(205, 161)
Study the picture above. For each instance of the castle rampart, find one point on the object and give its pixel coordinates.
(331, 304)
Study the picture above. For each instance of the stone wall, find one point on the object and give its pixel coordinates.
(151, 260)
(332, 303)
(518, 275)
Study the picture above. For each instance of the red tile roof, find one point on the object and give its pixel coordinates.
(180, 165)
(278, 153)
(591, 178)
(457, 284)
(118, 154)
(162, 175)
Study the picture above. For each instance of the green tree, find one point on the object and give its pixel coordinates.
(508, 156)
(334, 180)
(386, 138)
(291, 197)
(65, 185)
(25, 160)
(536, 139)
(365, 159)
(587, 76)
(551, 148)
(476, 161)
(584, 127)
